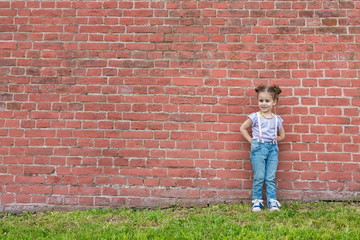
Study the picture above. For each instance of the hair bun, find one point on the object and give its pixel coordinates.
(260, 88)
(277, 89)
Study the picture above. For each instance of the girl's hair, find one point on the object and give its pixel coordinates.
(274, 90)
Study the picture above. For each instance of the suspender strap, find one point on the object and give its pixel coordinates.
(259, 125)
(276, 127)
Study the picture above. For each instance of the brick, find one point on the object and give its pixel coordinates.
(8, 45)
(341, 176)
(183, 173)
(334, 138)
(135, 172)
(84, 190)
(333, 120)
(36, 189)
(334, 157)
(38, 170)
(224, 174)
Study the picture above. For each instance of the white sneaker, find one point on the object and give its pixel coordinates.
(257, 205)
(274, 205)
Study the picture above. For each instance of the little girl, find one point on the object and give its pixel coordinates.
(267, 131)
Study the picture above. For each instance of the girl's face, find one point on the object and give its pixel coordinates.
(266, 102)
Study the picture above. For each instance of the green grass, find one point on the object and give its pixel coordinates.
(295, 221)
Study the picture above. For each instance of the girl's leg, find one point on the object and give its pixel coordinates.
(258, 156)
(270, 173)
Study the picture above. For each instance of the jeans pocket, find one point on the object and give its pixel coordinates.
(255, 145)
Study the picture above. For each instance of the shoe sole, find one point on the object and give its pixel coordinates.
(276, 209)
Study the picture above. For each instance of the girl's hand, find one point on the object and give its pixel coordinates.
(281, 135)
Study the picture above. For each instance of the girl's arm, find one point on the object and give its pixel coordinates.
(244, 131)
(281, 135)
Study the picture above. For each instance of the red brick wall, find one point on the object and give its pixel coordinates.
(140, 103)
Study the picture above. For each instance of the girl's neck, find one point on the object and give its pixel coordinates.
(267, 115)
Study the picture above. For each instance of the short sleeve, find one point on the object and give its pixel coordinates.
(253, 118)
(280, 122)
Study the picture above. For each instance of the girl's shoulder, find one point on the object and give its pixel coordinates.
(279, 118)
(254, 114)
(253, 117)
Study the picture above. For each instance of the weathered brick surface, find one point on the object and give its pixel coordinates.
(139, 103)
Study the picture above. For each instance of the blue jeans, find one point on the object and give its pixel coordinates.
(264, 160)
